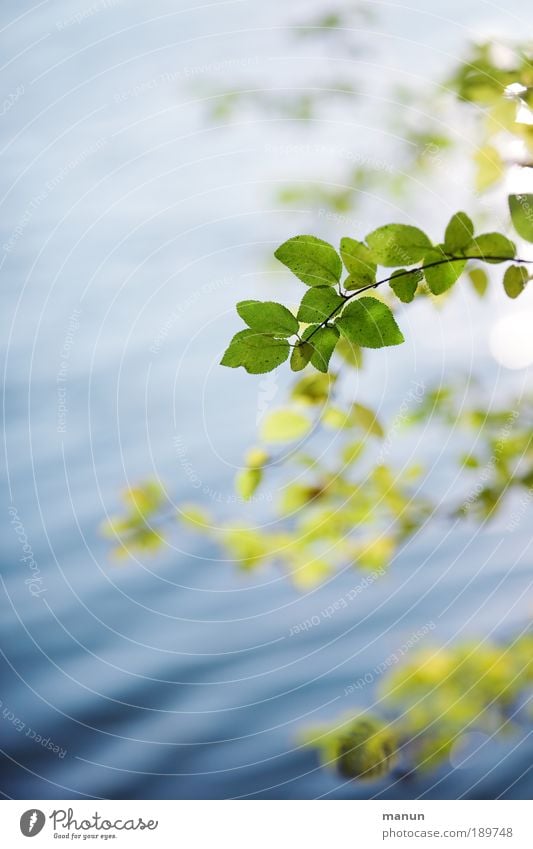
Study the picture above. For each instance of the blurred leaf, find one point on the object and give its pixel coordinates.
(195, 516)
(352, 451)
(489, 167)
(284, 426)
(247, 481)
(479, 280)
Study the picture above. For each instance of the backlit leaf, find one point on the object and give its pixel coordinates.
(268, 317)
(359, 263)
(370, 323)
(313, 261)
(459, 233)
(521, 207)
(301, 355)
(405, 283)
(398, 244)
(324, 340)
(367, 419)
(313, 388)
(441, 277)
(514, 280)
(492, 247)
(255, 352)
(318, 304)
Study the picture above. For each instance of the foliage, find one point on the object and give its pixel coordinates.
(427, 706)
(366, 321)
(351, 504)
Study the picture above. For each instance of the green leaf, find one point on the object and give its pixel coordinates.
(367, 419)
(336, 418)
(350, 352)
(521, 207)
(255, 352)
(459, 233)
(256, 458)
(247, 481)
(313, 261)
(491, 245)
(352, 451)
(359, 263)
(479, 280)
(405, 283)
(514, 280)
(301, 355)
(367, 750)
(490, 167)
(398, 244)
(318, 304)
(195, 516)
(441, 277)
(284, 426)
(313, 388)
(324, 342)
(268, 317)
(370, 323)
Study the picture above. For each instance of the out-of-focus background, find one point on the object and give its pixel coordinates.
(139, 203)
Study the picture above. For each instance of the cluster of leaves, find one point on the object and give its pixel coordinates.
(349, 506)
(337, 511)
(334, 307)
(491, 67)
(428, 706)
(343, 509)
(501, 461)
(497, 78)
(136, 529)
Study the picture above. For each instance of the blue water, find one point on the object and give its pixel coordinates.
(132, 221)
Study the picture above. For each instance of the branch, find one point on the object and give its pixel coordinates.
(404, 274)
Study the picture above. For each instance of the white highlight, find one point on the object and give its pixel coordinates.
(511, 340)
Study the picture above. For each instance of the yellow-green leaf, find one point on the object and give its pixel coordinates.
(284, 426)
